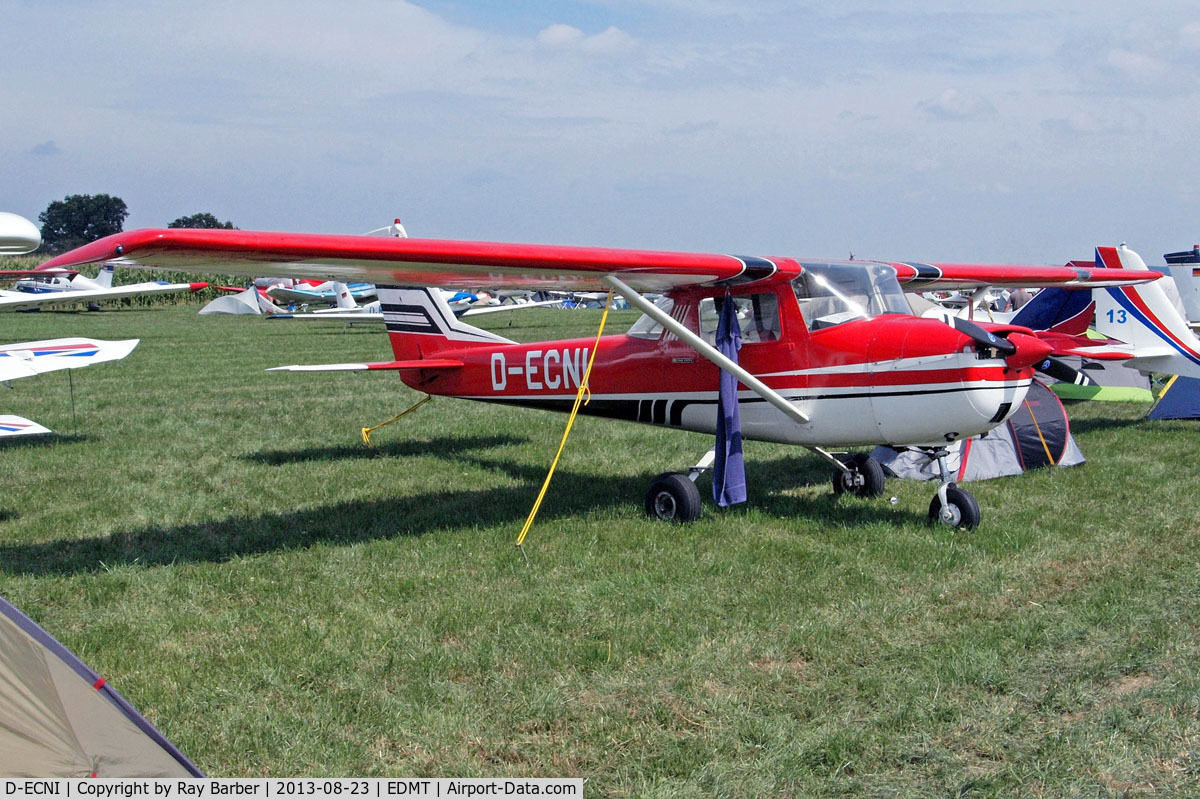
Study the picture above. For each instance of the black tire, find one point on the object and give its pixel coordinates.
(963, 510)
(673, 497)
(865, 478)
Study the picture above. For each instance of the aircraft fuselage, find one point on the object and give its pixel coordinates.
(892, 378)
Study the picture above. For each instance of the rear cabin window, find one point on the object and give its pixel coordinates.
(758, 317)
(645, 327)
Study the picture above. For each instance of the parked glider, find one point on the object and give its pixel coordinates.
(831, 355)
(46, 288)
(29, 358)
(347, 310)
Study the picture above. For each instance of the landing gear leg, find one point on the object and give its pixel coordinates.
(952, 505)
(703, 466)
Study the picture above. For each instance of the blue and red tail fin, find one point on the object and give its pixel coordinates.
(1144, 317)
(1058, 310)
(421, 325)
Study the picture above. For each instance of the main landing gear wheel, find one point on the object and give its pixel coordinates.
(961, 511)
(865, 477)
(673, 497)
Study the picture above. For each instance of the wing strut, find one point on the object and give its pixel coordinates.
(713, 354)
(707, 350)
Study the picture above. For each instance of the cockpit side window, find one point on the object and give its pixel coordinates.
(758, 317)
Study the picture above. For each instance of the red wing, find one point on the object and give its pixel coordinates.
(972, 276)
(470, 264)
(432, 262)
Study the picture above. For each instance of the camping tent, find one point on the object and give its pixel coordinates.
(1037, 434)
(1180, 399)
(58, 718)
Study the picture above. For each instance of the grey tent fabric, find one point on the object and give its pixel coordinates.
(1037, 434)
(246, 302)
(58, 718)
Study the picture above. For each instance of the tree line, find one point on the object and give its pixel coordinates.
(81, 218)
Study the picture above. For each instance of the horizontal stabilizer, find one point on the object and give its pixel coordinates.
(485, 309)
(427, 363)
(1097, 353)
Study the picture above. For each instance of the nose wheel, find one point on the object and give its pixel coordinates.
(952, 505)
(960, 509)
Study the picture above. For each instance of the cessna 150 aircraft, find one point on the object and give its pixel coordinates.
(832, 356)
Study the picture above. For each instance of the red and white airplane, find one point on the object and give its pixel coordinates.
(832, 357)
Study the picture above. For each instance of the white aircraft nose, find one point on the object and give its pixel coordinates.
(17, 235)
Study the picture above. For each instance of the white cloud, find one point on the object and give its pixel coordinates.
(610, 40)
(1086, 123)
(781, 122)
(560, 36)
(1189, 35)
(953, 104)
(568, 37)
(1136, 66)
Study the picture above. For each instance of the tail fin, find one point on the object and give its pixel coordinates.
(105, 277)
(344, 299)
(1057, 310)
(420, 324)
(1144, 317)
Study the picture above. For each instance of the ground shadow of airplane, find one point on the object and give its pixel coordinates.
(572, 494)
(446, 446)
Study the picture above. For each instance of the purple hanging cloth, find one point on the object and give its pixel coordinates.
(729, 469)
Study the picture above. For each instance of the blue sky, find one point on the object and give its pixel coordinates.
(1003, 133)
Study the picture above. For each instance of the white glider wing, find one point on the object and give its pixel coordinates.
(25, 301)
(17, 426)
(28, 358)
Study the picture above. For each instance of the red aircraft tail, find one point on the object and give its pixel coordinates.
(421, 325)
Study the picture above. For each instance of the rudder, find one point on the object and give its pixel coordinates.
(420, 324)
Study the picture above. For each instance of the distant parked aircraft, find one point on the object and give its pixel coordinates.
(54, 287)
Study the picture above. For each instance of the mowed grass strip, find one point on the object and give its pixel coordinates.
(280, 600)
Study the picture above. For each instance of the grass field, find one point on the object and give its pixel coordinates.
(280, 600)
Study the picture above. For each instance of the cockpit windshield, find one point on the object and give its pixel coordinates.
(832, 293)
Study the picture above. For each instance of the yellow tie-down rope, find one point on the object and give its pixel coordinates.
(367, 431)
(1040, 436)
(579, 400)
